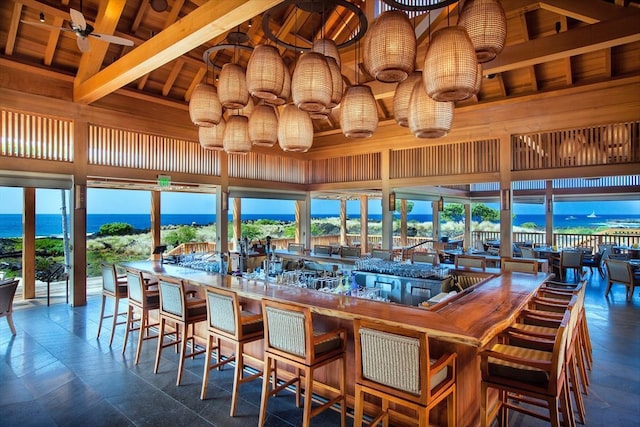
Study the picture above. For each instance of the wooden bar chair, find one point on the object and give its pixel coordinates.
(394, 364)
(291, 339)
(228, 322)
(425, 258)
(113, 286)
(571, 260)
(183, 308)
(526, 374)
(519, 265)
(620, 272)
(295, 247)
(381, 254)
(471, 261)
(143, 297)
(7, 293)
(322, 250)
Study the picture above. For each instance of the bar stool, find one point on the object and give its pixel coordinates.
(143, 296)
(227, 321)
(519, 265)
(185, 310)
(291, 339)
(418, 382)
(113, 286)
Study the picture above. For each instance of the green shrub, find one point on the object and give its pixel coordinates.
(115, 229)
(50, 246)
(529, 225)
(184, 234)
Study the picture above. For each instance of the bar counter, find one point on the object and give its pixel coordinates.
(466, 324)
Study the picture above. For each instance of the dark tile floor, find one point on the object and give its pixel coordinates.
(55, 372)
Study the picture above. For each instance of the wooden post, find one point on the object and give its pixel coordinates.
(467, 226)
(435, 220)
(298, 225)
(364, 225)
(343, 222)
(29, 243)
(387, 214)
(304, 225)
(155, 222)
(403, 222)
(506, 226)
(549, 213)
(78, 270)
(237, 221)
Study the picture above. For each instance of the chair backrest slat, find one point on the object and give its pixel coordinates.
(109, 277)
(135, 283)
(619, 271)
(519, 265)
(7, 293)
(222, 314)
(171, 298)
(470, 261)
(286, 330)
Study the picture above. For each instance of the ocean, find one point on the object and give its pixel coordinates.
(51, 224)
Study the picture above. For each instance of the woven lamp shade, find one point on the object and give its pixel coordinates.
(450, 65)
(402, 96)
(285, 93)
(211, 137)
(359, 112)
(617, 140)
(232, 87)
(486, 25)
(263, 126)
(570, 149)
(295, 130)
(478, 85)
(327, 47)
(429, 118)
(591, 154)
(265, 72)
(204, 106)
(236, 135)
(311, 84)
(392, 47)
(337, 82)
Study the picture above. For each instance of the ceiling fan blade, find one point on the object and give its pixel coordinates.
(77, 19)
(83, 44)
(40, 24)
(112, 39)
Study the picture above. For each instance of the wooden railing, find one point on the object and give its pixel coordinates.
(566, 240)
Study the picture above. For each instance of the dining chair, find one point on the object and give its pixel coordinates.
(295, 248)
(425, 257)
(227, 321)
(419, 382)
(596, 260)
(289, 337)
(471, 261)
(571, 259)
(519, 265)
(7, 293)
(322, 250)
(524, 374)
(527, 252)
(184, 309)
(113, 286)
(350, 251)
(380, 254)
(143, 297)
(620, 272)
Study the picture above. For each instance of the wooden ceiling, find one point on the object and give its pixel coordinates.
(551, 44)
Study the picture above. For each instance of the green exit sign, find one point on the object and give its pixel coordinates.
(164, 181)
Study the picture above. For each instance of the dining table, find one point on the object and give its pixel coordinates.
(632, 251)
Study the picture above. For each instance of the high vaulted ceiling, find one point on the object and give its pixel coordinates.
(552, 44)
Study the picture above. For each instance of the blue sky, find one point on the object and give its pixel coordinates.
(132, 201)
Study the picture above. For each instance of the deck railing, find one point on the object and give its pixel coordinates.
(566, 240)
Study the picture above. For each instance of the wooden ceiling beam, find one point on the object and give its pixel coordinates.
(591, 11)
(205, 23)
(13, 29)
(579, 41)
(109, 13)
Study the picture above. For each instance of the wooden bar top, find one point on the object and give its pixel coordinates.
(472, 319)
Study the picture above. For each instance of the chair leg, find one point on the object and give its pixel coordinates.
(298, 388)
(129, 327)
(264, 399)
(452, 409)
(104, 298)
(343, 392)
(483, 405)
(115, 319)
(183, 352)
(237, 377)
(358, 411)
(308, 392)
(207, 362)
(144, 330)
(10, 322)
(575, 385)
(160, 342)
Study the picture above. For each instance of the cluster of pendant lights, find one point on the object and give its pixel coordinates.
(424, 101)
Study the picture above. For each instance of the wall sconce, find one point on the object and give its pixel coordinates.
(392, 201)
(549, 205)
(505, 198)
(440, 204)
(225, 201)
(81, 197)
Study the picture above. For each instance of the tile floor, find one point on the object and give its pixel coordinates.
(55, 372)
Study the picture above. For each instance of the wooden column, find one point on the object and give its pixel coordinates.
(304, 225)
(78, 268)
(506, 226)
(222, 205)
(343, 222)
(29, 243)
(155, 222)
(387, 214)
(237, 221)
(549, 213)
(435, 220)
(467, 226)
(364, 225)
(297, 217)
(403, 222)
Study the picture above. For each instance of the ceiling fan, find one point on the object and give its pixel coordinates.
(83, 31)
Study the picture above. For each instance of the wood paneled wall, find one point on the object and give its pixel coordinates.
(360, 167)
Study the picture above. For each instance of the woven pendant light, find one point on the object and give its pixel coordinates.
(285, 93)
(337, 82)
(265, 72)
(450, 65)
(617, 140)
(211, 137)
(401, 98)
(570, 149)
(232, 87)
(359, 112)
(327, 47)
(392, 48)
(478, 84)
(295, 130)
(263, 126)
(236, 135)
(429, 118)
(486, 25)
(204, 106)
(591, 154)
(311, 84)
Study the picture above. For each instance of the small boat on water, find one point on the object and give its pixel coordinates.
(570, 217)
(592, 215)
